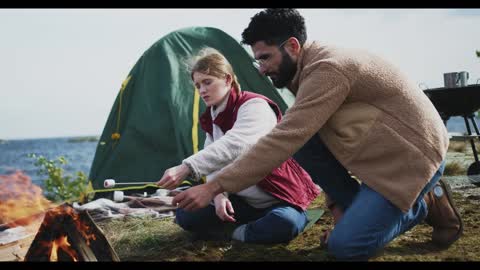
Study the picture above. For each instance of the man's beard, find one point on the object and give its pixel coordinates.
(286, 71)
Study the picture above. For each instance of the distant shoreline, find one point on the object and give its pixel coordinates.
(86, 137)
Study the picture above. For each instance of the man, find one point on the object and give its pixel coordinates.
(354, 114)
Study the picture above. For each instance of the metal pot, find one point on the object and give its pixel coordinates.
(456, 79)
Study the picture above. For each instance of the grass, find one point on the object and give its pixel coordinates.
(462, 146)
(147, 239)
(415, 245)
(457, 146)
(459, 157)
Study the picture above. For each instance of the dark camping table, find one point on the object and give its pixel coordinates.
(464, 102)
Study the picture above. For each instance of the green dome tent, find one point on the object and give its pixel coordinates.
(153, 124)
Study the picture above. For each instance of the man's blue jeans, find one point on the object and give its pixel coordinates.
(370, 221)
(276, 224)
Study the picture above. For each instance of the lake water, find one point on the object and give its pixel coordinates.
(14, 155)
(457, 124)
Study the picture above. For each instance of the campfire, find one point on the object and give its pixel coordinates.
(68, 235)
(64, 234)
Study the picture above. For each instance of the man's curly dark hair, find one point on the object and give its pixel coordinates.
(275, 25)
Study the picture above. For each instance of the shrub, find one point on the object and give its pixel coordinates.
(454, 168)
(58, 186)
(457, 146)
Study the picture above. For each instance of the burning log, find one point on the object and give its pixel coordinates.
(68, 235)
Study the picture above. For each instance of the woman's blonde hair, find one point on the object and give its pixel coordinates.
(211, 62)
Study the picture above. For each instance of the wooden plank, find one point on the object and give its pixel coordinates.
(101, 247)
(16, 250)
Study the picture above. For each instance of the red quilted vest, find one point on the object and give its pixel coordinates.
(289, 182)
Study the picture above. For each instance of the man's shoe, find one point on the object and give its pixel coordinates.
(443, 216)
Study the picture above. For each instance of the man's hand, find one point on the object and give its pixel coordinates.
(198, 196)
(224, 208)
(173, 177)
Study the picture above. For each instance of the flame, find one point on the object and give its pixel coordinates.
(21, 201)
(63, 244)
(58, 220)
(81, 226)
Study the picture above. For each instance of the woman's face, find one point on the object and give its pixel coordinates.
(212, 89)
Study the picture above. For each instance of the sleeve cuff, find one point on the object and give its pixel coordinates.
(193, 172)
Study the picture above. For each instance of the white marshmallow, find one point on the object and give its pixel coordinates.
(109, 183)
(118, 196)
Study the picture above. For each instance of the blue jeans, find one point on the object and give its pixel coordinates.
(276, 224)
(370, 221)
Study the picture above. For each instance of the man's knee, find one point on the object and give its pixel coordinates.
(345, 247)
(337, 246)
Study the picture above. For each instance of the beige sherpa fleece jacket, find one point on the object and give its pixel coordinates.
(378, 124)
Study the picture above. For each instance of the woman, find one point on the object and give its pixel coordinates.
(272, 211)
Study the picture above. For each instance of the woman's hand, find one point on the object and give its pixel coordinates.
(174, 176)
(223, 208)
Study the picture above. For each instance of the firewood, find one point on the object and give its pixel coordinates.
(79, 244)
(87, 243)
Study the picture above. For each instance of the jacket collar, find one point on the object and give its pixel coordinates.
(294, 84)
(222, 117)
(220, 108)
(228, 111)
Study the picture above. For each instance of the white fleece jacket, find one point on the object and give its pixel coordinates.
(255, 118)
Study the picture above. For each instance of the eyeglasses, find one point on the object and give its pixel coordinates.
(265, 60)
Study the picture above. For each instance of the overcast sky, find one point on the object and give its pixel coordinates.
(61, 69)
